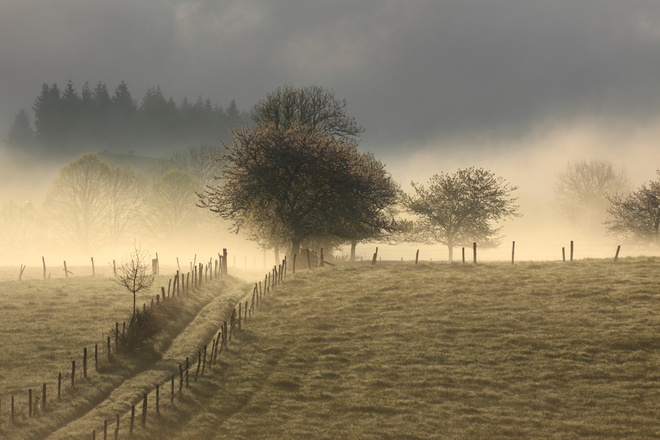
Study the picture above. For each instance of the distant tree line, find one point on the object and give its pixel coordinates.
(70, 122)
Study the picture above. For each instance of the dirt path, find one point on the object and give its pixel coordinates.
(200, 331)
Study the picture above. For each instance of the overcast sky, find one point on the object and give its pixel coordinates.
(414, 72)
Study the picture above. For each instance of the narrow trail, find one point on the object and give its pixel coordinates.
(200, 331)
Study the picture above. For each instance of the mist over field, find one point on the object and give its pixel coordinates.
(382, 138)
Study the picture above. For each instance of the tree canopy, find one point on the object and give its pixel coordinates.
(67, 122)
(312, 106)
(582, 190)
(636, 216)
(289, 185)
(460, 208)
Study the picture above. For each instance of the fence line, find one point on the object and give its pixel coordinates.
(22, 409)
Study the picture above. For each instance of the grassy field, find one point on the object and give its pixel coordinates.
(44, 324)
(398, 351)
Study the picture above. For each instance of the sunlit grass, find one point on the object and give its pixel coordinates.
(533, 350)
(44, 324)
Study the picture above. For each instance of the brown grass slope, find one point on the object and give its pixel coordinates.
(45, 322)
(531, 351)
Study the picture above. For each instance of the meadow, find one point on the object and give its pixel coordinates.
(393, 351)
(401, 351)
(45, 324)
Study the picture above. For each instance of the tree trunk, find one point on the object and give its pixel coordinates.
(450, 247)
(295, 246)
(353, 246)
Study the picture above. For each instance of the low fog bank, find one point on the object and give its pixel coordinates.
(532, 162)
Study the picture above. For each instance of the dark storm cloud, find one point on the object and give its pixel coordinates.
(409, 69)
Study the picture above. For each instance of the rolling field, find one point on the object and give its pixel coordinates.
(403, 351)
(533, 351)
(45, 324)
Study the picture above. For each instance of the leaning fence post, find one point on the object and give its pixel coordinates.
(73, 374)
(616, 256)
(157, 399)
(59, 386)
(30, 402)
(417, 256)
(373, 260)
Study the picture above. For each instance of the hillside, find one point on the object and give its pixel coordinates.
(399, 351)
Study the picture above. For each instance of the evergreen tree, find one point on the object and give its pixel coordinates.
(21, 134)
(48, 118)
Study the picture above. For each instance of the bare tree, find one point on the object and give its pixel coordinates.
(125, 194)
(457, 209)
(77, 202)
(134, 274)
(583, 188)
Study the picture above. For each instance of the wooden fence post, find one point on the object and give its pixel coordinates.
(93, 269)
(616, 256)
(180, 379)
(105, 429)
(66, 271)
(417, 256)
(117, 428)
(513, 252)
(571, 250)
(463, 254)
(321, 262)
(224, 262)
(187, 372)
(157, 399)
(144, 410)
(172, 385)
(30, 402)
(373, 260)
(85, 363)
(130, 426)
(563, 253)
(43, 262)
(59, 386)
(474, 252)
(43, 397)
(73, 374)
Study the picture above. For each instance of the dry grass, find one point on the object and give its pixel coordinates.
(46, 324)
(531, 351)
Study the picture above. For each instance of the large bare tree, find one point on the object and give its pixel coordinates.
(77, 202)
(583, 188)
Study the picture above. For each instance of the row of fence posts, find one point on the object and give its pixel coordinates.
(179, 283)
(205, 359)
(513, 253)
